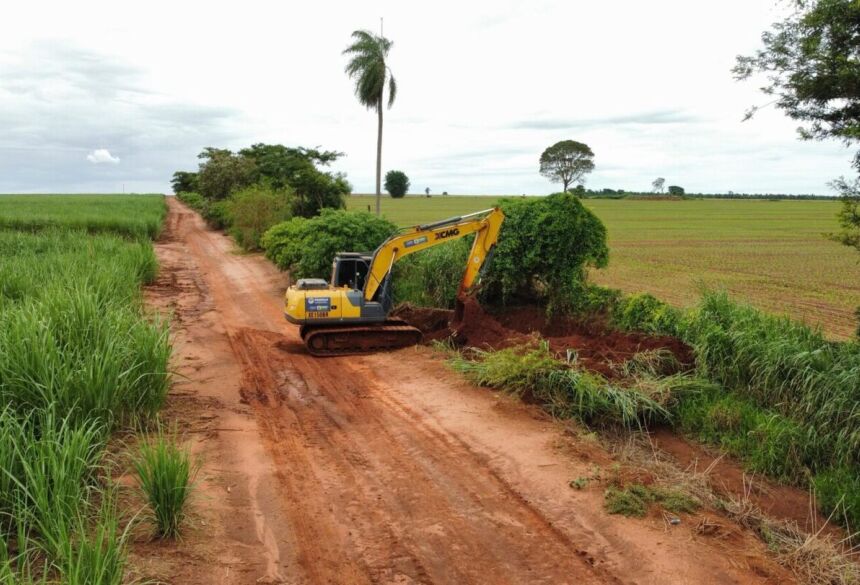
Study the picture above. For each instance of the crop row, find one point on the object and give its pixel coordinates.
(78, 358)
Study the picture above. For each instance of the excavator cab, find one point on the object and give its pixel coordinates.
(350, 269)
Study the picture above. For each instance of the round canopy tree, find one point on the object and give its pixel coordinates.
(396, 183)
(567, 162)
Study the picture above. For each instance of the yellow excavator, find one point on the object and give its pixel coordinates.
(350, 315)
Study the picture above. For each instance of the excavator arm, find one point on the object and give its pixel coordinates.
(485, 224)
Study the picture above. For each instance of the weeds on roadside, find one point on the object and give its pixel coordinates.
(815, 557)
(165, 473)
(564, 391)
(634, 500)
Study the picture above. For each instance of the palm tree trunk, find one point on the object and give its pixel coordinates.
(379, 159)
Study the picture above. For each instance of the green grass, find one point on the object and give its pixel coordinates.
(782, 365)
(565, 392)
(130, 215)
(78, 357)
(165, 473)
(71, 329)
(770, 253)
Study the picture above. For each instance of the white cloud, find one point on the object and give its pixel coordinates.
(102, 155)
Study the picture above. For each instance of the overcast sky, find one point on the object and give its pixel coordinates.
(97, 95)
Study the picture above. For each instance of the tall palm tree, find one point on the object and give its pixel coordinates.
(367, 67)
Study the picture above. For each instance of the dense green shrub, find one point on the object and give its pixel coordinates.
(592, 299)
(194, 200)
(644, 312)
(307, 246)
(255, 209)
(223, 172)
(217, 214)
(396, 183)
(432, 277)
(544, 248)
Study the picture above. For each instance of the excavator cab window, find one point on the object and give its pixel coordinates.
(350, 270)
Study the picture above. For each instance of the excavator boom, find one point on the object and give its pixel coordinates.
(486, 224)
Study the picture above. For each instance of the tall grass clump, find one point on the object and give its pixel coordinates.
(532, 372)
(786, 399)
(135, 216)
(165, 472)
(784, 366)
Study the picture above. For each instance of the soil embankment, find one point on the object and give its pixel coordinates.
(597, 347)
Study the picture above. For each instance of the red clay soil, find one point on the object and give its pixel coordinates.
(598, 348)
(728, 479)
(385, 468)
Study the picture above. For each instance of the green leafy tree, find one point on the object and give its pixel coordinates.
(675, 190)
(567, 162)
(811, 68)
(396, 183)
(306, 246)
(280, 167)
(367, 67)
(184, 182)
(255, 209)
(279, 163)
(222, 171)
(544, 248)
(849, 215)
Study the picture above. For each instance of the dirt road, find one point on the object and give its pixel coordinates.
(379, 469)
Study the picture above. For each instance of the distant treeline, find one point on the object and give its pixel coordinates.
(621, 194)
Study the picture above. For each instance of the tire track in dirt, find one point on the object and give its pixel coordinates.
(383, 468)
(368, 453)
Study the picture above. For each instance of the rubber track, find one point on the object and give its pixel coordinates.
(360, 339)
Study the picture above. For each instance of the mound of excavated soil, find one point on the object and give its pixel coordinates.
(598, 348)
(433, 323)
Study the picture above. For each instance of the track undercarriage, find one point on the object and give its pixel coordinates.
(357, 339)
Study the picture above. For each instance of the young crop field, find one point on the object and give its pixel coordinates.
(80, 358)
(131, 215)
(772, 254)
